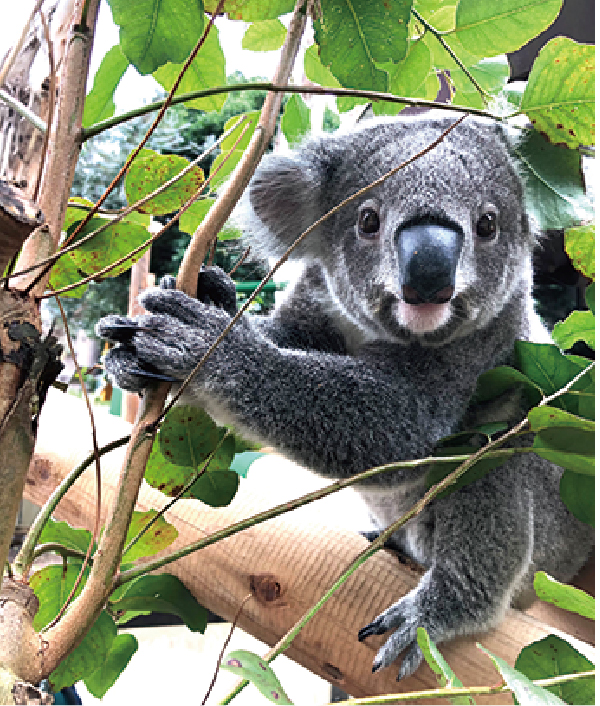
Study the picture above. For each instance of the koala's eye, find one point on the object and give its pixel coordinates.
(486, 226)
(368, 222)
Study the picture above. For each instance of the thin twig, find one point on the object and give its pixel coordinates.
(122, 213)
(136, 151)
(485, 96)
(239, 262)
(225, 644)
(150, 240)
(96, 531)
(373, 96)
(448, 693)
(51, 101)
(292, 247)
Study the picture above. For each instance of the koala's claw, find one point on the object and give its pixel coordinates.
(377, 627)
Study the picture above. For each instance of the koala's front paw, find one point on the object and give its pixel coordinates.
(403, 616)
(164, 344)
(217, 288)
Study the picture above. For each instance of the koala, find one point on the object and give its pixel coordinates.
(407, 295)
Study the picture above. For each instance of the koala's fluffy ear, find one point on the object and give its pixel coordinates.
(281, 201)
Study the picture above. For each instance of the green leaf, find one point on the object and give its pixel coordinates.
(117, 241)
(216, 488)
(194, 216)
(354, 35)
(162, 593)
(502, 26)
(52, 585)
(88, 656)
(491, 75)
(563, 595)
(554, 191)
(250, 666)
(552, 657)
(63, 533)
(295, 121)
(525, 691)
(149, 34)
(315, 71)
(439, 470)
(252, 10)
(563, 438)
(497, 381)
(160, 535)
(590, 297)
(227, 144)
(188, 436)
(550, 370)
(242, 462)
(121, 651)
(207, 69)
(578, 493)
(64, 273)
(164, 475)
(267, 35)
(559, 98)
(409, 77)
(580, 245)
(445, 676)
(150, 170)
(99, 103)
(578, 326)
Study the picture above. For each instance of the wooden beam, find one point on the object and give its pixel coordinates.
(287, 563)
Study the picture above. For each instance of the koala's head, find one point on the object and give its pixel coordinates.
(431, 254)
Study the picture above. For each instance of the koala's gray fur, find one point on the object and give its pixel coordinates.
(346, 374)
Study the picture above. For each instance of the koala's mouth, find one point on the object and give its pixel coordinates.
(429, 323)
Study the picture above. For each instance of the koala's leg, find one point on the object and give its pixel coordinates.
(483, 544)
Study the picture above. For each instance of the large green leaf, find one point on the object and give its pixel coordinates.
(580, 245)
(490, 74)
(216, 488)
(188, 436)
(153, 32)
(354, 35)
(207, 69)
(228, 143)
(552, 657)
(445, 676)
(578, 493)
(110, 245)
(409, 77)
(99, 103)
(162, 593)
(564, 596)
(64, 273)
(121, 651)
(63, 533)
(550, 370)
(159, 536)
(52, 585)
(492, 28)
(150, 170)
(252, 10)
(559, 98)
(563, 438)
(295, 121)
(554, 191)
(194, 215)
(497, 381)
(578, 326)
(252, 667)
(525, 691)
(590, 297)
(267, 35)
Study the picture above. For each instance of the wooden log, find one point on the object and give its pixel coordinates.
(287, 563)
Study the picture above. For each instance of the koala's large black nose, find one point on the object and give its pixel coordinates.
(428, 254)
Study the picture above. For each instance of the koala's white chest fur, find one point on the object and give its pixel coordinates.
(386, 505)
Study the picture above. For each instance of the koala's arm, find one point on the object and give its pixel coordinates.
(330, 412)
(482, 551)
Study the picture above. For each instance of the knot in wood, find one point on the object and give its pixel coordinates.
(265, 587)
